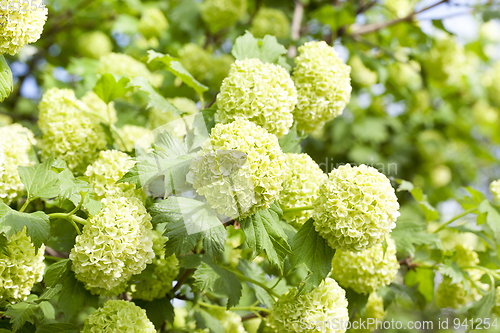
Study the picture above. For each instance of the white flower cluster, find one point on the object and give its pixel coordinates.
(21, 268)
(15, 146)
(114, 245)
(495, 189)
(356, 208)
(260, 92)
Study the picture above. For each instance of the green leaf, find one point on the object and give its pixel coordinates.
(290, 143)
(451, 269)
(410, 232)
(189, 221)
(209, 115)
(483, 307)
(155, 99)
(492, 217)
(209, 276)
(263, 232)
(108, 89)
(40, 180)
(312, 250)
(158, 311)
(3, 244)
(174, 66)
(206, 320)
(267, 49)
(271, 50)
(253, 270)
(430, 212)
(246, 47)
(6, 80)
(37, 224)
(356, 302)
(58, 328)
(423, 278)
(27, 311)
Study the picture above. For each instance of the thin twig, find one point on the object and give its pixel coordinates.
(298, 13)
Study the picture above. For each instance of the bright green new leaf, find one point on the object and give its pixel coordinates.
(108, 89)
(6, 80)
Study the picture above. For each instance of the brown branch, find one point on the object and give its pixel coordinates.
(253, 315)
(298, 13)
(54, 253)
(181, 280)
(369, 28)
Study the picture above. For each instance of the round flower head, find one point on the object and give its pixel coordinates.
(104, 173)
(134, 137)
(219, 69)
(196, 60)
(220, 14)
(124, 65)
(399, 8)
(356, 208)
(446, 60)
(94, 44)
(15, 146)
(374, 311)
(323, 85)
(270, 21)
(366, 271)
(114, 245)
(301, 314)
(117, 316)
(260, 92)
(231, 322)
(495, 189)
(240, 169)
(360, 73)
(5, 120)
(175, 124)
(496, 308)
(20, 25)
(300, 188)
(68, 131)
(21, 268)
(152, 23)
(97, 105)
(156, 280)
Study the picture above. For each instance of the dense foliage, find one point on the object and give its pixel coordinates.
(248, 166)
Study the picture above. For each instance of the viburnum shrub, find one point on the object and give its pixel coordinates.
(234, 166)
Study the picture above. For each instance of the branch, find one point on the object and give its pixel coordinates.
(298, 13)
(253, 315)
(369, 28)
(53, 253)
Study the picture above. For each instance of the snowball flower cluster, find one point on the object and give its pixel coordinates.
(104, 173)
(20, 25)
(495, 189)
(105, 111)
(68, 131)
(122, 64)
(15, 146)
(446, 61)
(361, 74)
(21, 268)
(196, 60)
(300, 188)
(117, 316)
(240, 169)
(156, 280)
(323, 85)
(374, 311)
(231, 322)
(219, 69)
(220, 14)
(261, 92)
(152, 23)
(94, 44)
(399, 8)
(300, 314)
(366, 271)
(134, 137)
(114, 245)
(356, 208)
(175, 124)
(270, 21)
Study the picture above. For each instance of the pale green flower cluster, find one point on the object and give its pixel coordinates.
(220, 14)
(94, 44)
(323, 85)
(21, 268)
(300, 188)
(231, 322)
(366, 271)
(114, 245)
(406, 74)
(177, 125)
(496, 308)
(153, 22)
(20, 25)
(260, 92)
(196, 60)
(301, 314)
(118, 316)
(156, 280)
(219, 69)
(492, 82)
(374, 310)
(356, 208)
(361, 74)
(270, 21)
(97, 105)
(446, 60)
(15, 146)
(400, 8)
(104, 173)
(68, 131)
(5, 120)
(125, 65)
(240, 169)
(133, 137)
